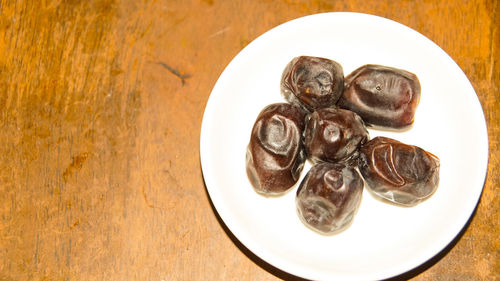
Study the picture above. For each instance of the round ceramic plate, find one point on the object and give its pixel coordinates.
(384, 240)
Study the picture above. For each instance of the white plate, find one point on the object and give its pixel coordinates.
(384, 240)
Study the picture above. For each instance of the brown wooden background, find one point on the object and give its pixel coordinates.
(101, 105)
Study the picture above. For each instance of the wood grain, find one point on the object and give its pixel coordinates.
(101, 103)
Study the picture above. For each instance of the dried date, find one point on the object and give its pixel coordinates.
(312, 82)
(401, 173)
(329, 196)
(334, 135)
(275, 154)
(383, 96)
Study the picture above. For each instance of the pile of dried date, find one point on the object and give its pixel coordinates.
(324, 121)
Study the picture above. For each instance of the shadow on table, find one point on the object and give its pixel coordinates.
(287, 276)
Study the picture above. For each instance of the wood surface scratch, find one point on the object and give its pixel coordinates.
(494, 42)
(220, 32)
(175, 72)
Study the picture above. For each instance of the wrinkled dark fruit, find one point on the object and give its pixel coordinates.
(275, 155)
(334, 135)
(402, 173)
(312, 82)
(329, 196)
(383, 96)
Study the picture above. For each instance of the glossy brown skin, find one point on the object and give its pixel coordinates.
(383, 96)
(401, 173)
(312, 82)
(334, 135)
(275, 155)
(329, 196)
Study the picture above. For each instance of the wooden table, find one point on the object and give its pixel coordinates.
(101, 104)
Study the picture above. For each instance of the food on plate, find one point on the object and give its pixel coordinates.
(312, 82)
(324, 121)
(404, 174)
(329, 196)
(333, 135)
(275, 154)
(383, 96)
